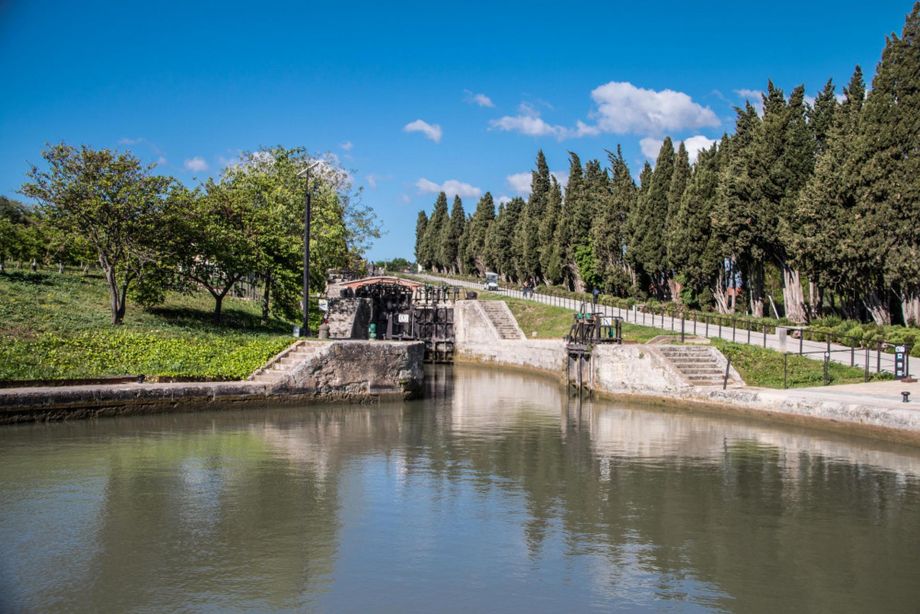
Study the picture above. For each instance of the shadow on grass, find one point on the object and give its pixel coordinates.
(231, 320)
(28, 277)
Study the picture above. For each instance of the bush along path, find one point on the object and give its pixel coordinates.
(765, 337)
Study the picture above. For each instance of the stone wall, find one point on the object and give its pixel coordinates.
(348, 318)
(360, 368)
(476, 340)
(355, 371)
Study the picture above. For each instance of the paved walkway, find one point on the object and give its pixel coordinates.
(877, 361)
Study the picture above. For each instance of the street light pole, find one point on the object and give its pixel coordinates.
(305, 328)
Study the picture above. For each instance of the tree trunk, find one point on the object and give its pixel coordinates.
(218, 302)
(266, 297)
(674, 287)
(910, 307)
(815, 300)
(755, 289)
(793, 299)
(877, 308)
(720, 294)
(116, 301)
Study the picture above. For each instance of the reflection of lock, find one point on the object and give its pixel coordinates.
(372, 331)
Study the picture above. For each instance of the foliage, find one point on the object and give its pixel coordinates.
(111, 200)
(764, 368)
(54, 326)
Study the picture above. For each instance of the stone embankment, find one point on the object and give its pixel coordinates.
(671, 373)
(354, 371)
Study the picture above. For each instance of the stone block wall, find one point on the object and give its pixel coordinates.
(357, 369)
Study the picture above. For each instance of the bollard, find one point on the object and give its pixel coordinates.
(905, 397)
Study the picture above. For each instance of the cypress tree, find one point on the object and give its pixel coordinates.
(826, 243)
(421, 225)
(653, 207)
(451, 234)
(888, 198)
(734, 208)
(438, 221)
(477, 233)
(567, 232)
(500, 247)
(679, 179)
(609, 233)
(821, 116)
(635, 230)
(527, 238)
(550, 253)
(694, 254)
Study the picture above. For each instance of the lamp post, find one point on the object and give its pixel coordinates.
(305, 328)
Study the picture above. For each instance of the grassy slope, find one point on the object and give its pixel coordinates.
(758, 367)
(58, 326)
(551, 322)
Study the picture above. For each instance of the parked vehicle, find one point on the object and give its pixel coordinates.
(491, 281)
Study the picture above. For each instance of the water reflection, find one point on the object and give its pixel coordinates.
(496, 492)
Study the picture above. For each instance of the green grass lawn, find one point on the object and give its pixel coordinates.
(550, 322)
(57, 326)
(762, 367)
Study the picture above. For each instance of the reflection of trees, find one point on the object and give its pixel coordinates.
(243, 508)
(763, 523)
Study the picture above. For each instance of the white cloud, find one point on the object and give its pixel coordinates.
(431, 131)
(530, 125)
(478, 99)
(196, 164)
(561, 176)
(346, 146)
(755, 97)
(504, 198)
(372, 181)
(695, 144)
(519, 183)
(130, 141)
(405, 198)
(624, 108)
(451, 187)
(161, 161)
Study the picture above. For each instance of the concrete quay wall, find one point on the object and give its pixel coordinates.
(350, 371)
(643, 373)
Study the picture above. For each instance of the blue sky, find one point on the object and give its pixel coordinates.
(410, 96)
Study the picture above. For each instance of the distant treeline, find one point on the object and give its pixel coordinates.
(818, 201)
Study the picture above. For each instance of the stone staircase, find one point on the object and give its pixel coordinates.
(275, 370)
(699, 364)
(502, 319)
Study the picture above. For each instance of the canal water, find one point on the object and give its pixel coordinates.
(496, 493)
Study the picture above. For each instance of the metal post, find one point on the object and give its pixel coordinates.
(681, 327)
(733, 329)
(305, 329)
(801, 340)
(765, 335)
(827, 377)
(749, 326)
(878, 358)
(866, 376)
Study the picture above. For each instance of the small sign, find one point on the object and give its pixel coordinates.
(900, 362)
(323, 304)
(404, 318)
